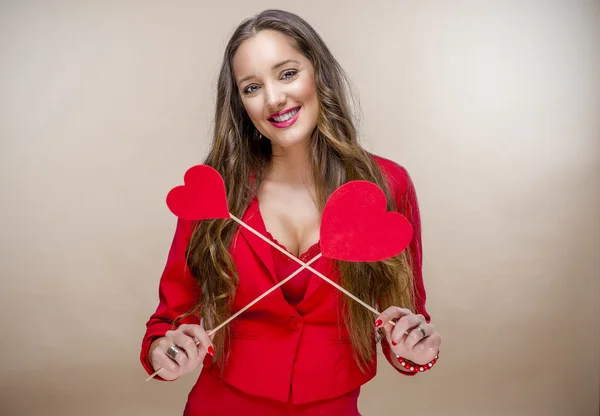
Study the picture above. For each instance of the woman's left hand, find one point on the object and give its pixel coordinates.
(412, 337)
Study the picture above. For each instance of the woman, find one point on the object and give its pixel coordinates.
(284, 140)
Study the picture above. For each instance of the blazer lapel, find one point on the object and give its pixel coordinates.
(261, 248)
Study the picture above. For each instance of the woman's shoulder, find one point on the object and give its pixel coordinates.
(184, 229)
(397, 176)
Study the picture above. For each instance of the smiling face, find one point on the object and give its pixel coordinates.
(277, 87)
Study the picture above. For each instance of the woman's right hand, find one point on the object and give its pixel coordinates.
(190, 355)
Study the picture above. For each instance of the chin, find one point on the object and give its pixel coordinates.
(290, 144)
(293, 139)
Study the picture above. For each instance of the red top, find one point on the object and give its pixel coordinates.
(293, 290)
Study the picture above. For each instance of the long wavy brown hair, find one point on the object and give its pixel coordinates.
(238, 150)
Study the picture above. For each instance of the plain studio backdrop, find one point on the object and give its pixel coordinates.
(493, 107)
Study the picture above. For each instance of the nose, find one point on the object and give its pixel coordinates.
(275, 98)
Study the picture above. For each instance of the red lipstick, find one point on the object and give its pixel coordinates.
(284, 119)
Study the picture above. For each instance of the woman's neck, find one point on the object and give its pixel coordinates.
(290, 165)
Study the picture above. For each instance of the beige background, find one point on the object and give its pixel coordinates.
(493, 107)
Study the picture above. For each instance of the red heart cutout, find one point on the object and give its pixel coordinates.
(201, 197)
(355, 225)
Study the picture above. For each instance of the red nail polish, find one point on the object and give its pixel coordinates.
(211, 350)
(394, 344)
(378, 323)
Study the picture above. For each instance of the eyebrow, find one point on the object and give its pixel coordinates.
(276, 66)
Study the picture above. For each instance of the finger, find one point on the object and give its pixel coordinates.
(204, 341)
(160, 359)
(418, 334)
(192, 364)
(390, 315)
(167, 364)
(404, 325)
(191, 341)
(179, 340)
(186, 342)
(427, 349)
(431, 343)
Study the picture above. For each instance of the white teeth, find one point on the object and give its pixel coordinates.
(286, 116)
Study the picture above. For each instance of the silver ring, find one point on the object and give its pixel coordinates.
(172, 352)
(422, 331)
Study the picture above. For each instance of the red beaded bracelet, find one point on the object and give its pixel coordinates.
(416, 368)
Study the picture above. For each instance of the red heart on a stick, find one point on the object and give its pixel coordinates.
(201, 197)
(356, 227)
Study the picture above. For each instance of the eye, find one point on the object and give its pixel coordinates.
(250, 89)
(289, 74)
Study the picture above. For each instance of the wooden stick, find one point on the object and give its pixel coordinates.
(231, 318)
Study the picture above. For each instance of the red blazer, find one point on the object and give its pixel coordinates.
(274, 346)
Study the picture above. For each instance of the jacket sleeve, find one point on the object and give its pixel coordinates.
(178, 293)
(406, 203)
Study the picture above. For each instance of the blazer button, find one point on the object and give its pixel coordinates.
(295, 323)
